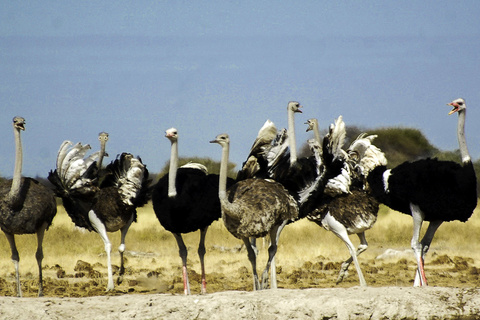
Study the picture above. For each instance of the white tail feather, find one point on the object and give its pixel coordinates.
(364, 155)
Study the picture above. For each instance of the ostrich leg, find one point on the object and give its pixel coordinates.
(16, 260)
(39, 256)
(121, 249)
(102, 231)
(183, 254)
(201, 254)
(418, 217)
(272, 250)
(252, 257)
(425, 243)
(340, 231)
(361, 248)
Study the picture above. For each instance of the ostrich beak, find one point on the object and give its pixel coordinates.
(455, 107)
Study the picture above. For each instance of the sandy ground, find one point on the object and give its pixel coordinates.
(306, 292)
(334, 303)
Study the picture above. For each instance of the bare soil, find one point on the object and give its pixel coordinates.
(308, 291)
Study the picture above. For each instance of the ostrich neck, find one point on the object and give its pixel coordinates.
(291, 137)
(17, 173)
(102, 154)
(316, 133)
(172, 172)
(222, 184)
(462, 142)
(229, 209)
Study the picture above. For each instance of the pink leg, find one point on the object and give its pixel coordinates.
(418, 217)
(183, 254)
(201, 254)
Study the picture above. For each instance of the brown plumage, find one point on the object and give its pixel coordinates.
(253, 208)
(26, 207)
(259, 206)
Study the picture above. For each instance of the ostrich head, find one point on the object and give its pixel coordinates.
(311, 124)
(103, 137)
(458, 105)
(294, 106)
(19, 123)
(171, 134)
(222, 139)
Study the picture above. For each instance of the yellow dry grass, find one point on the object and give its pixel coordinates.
(150, 247)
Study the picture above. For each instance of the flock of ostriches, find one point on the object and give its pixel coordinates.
(338, 189)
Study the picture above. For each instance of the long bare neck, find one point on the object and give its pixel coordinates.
(17, 173)
(102, 153)
(316, 132)
(291, 136)
(462, 142)
(172, 172)
(222, 184)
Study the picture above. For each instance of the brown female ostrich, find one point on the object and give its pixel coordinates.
(108, 207)
(253, 208)
(430, 190)
(26, 207)
(273, 156)
(346, 208)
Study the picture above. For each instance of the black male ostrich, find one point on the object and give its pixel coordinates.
(253, 208)
(26, 207)
(186, 200)
(346, 208)
(106, 208)
(430, 190)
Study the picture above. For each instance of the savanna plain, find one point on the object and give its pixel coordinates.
(308, 261)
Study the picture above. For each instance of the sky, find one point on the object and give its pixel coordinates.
(136, 68)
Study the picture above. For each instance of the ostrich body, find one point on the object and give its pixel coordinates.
(429, 190)
(26, 207)
(253, 208)
(346, 208)
(274, 156)
(108, 207)
(186, 200)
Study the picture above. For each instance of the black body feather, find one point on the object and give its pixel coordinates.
(444, 190)
(196, 204)
(105, 200)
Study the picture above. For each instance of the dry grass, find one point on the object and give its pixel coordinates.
(150, 247)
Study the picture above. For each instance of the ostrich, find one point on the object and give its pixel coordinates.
(274, 156)
(108, 207)
(26, 207)
(186, 200)
(253, 208)
(429, 190)
(346, 208)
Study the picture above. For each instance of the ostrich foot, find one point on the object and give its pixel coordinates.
(343, 271)
(342, 274)
(264, 283)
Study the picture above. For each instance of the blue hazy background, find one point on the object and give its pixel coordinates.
(136, 68)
